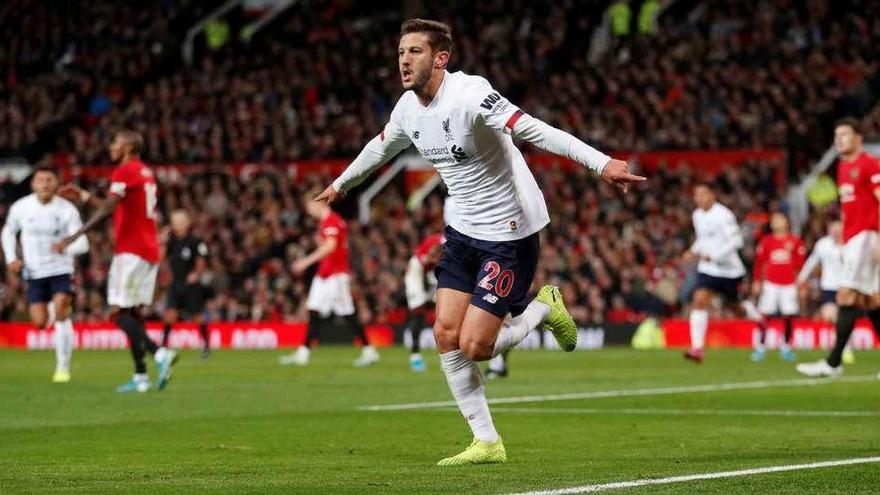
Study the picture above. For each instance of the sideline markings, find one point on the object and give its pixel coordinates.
(705, 476)
(637, 392)
(689, 412)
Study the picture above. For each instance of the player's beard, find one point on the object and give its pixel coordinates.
(419, 79)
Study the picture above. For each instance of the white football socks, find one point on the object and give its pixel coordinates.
(63, 344)
(699, 322)
(466, 384)
(514, 329)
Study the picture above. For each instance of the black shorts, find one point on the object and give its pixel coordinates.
(497, 273)
(728, 288)
(829, 296)
(41, 290)
(189, 299)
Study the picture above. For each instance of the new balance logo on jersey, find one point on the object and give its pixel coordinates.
(490, 298)
(490, 100)
(415, 134)
(458, 153)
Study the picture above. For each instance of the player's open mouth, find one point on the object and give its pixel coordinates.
(406, 75)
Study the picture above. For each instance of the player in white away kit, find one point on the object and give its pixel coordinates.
(42, 219)
(828, 255)
(465, 128)
(720, 270)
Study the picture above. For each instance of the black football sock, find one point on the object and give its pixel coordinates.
(846, 321)
(357, 328)
(166, 332)
(788, 329)
(316, 321)
(874, 316)
(416, 323)
(149, 345)
(135, 332)
(203, 330)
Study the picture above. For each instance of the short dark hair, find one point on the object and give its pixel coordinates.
(439, 34)
(707, 185)
(45, 168)
(134, 139)
(851, 122)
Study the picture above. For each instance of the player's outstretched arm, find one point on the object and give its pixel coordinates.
(382, 148)
(324, 249)
(809, 265)
(104, 210)
(559, 142)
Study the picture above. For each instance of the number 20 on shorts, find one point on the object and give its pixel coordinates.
(503, 280)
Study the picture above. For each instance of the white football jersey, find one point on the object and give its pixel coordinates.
(41, 226)
(719, 238)
(465, 133)
(829, 255)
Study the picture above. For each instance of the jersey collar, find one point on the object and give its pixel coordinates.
(436, 100)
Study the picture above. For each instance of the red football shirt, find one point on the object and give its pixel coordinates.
(426, 246)
(856, 182)
(134, 220)
(337, 261)
(779, 259)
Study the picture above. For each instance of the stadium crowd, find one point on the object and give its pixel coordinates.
(314, 84)
(615, 257)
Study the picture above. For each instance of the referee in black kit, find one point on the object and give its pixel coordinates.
(186, 256)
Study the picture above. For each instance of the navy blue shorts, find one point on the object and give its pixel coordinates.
(726, 287)
(497, 273)
(41, 290)
(829, 296)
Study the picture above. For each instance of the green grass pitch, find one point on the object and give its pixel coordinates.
(240, 423)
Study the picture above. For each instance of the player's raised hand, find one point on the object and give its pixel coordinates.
(71, 192)
(616, 173)
(299, 267)
(330, 195)
(60, 246)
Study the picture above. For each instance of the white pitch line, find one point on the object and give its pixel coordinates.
(637, 392)
(689, 412)
(704, 476)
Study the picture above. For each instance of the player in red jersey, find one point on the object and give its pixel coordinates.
(858, 183)
(132, 278)
(779, 259)
(421, 285)
(330, 293)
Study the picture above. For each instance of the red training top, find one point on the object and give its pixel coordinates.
(779, 259)
(857, 181)
(134, 220)
(336, 262)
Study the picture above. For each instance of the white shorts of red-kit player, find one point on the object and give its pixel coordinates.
(131, 281)
(861, 271)
(331, 295)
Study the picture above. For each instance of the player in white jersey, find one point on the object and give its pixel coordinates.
(38, 221)
(465, 128)
(828, 256)
(719, 271)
